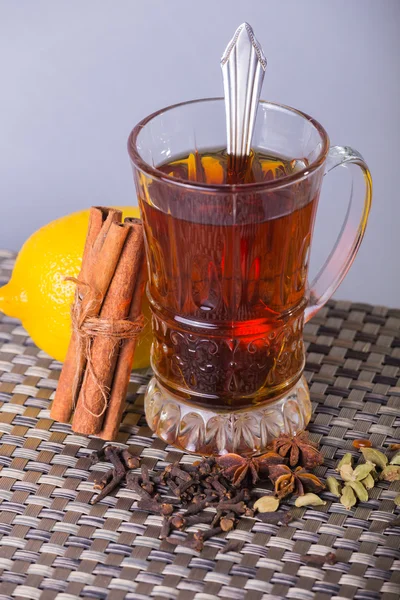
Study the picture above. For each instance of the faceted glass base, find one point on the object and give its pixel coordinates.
(204, 431)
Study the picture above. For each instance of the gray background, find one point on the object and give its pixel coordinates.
(77, 75)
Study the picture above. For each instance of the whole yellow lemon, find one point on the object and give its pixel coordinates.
(38, 294)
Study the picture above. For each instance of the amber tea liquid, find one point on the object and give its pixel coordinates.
(228, 280)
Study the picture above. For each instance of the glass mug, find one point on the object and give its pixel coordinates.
(228, 268)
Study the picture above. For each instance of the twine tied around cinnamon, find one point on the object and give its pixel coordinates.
(87, 326)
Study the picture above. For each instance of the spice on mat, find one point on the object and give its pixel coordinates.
(298, 481)
(362, 471)
(333, 486)
(99, 484)
(153, 505)
(363, 478)
(146, 484)
(131, 462)
(396, 459)
(368, 482)
(316, 560)
(391, 473)
(218, 492)
(276, 518)
(375, 457)
(202, 536)
(359, 489)
(309, 500)
(238, 468)
(397, 500)
(346, 460)
(299, 449)
(266, 504)
(228, 522)
(347, 472)
(348, 497)
(232, 546)
(118, 473)
(361, 444)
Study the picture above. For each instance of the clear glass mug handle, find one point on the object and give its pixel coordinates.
(351, 235)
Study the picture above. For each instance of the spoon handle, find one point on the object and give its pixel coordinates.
(243, 67)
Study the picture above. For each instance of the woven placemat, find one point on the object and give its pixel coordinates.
(54, 544)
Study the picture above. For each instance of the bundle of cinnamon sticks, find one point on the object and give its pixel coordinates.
(106, 321)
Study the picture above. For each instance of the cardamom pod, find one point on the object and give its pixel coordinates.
(309, 500)
(396, 459)
(362, 471)
(348, 497)
(360, 490)
(347, 473)
(267, 504)
(391, 473)
(333, 486)
(368, 482)
(374, 474)
(374, 456)
(397, 500)
(346, 460)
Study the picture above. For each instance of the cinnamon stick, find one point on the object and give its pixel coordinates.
(100, 221)
(116, 403)
(94, 393)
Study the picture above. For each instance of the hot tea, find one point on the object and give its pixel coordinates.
(228, 242)
(228, 279)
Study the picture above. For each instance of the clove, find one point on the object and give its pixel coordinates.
(146, 484)
(174, 487)
(207, 518)
(152, 505)
(217, 518)
(96, 456)
(316, 560)
(227, 523)
(209, 533)
(274, 518)
(232, 546)
(197, 507)
(112, 454)
(180, 474)
(212, 497)
(178, 521)
(182, 487)
(239, 508)
(287, 518)
(241, 495)
(249, 512)
(115, 482)
(100, 483)
(165, 528)
(229, 487)
(218, 486)
(204, 468)
(130, 461)
(132, 483)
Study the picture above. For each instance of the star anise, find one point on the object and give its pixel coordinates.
(237, 468)
(296, 482)
(298, 449)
